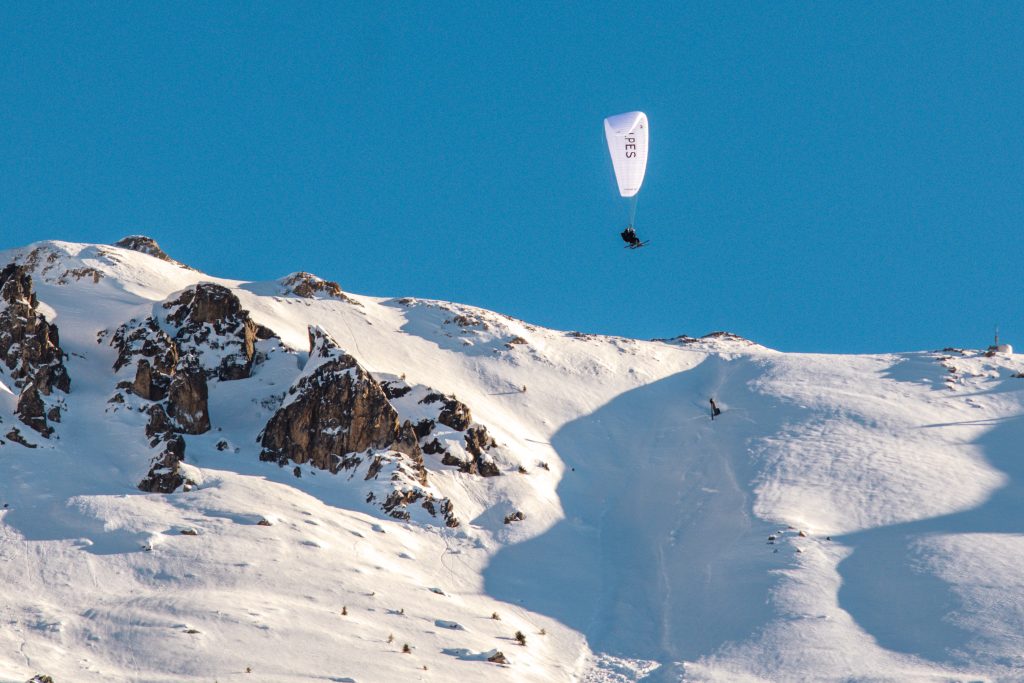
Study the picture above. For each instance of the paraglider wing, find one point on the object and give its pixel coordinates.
(628, 136)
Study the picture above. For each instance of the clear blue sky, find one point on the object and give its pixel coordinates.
(823, 176)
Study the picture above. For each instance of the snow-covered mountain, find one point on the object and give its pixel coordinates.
(213, 480)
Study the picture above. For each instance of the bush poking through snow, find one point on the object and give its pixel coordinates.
(391, 638)
(521, 638)
(344, 611)
(495, 616)
(406, 650)
(516, 516)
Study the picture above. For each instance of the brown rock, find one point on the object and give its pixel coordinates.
(210, 315)
(335, 409)
(149, 383)
(145, 339)
(164, 474)
(29, 347)
(32, 411)
(187, 399)
(310, 286)
(147, 245)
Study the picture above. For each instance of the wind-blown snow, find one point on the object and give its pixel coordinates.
(845, 518)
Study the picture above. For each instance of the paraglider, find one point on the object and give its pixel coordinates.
(628, 137)
(629, 237)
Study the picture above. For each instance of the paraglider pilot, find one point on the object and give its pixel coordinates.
(629, 236)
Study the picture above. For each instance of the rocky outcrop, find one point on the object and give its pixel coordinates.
(183, 411)
(187, 398)
(337, 417)
(147, 245)
(204, 335)
(472, 456)
(719, 336)
(211, 321)
(165, 472)
(30, 350)
(335, 408)
(309, 286)
(454, 413)
(478, 442)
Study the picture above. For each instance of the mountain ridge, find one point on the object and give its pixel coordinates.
(616, 517)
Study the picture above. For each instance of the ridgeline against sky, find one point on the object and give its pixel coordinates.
(823, 178)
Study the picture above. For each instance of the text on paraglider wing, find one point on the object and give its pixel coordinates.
(630, 147)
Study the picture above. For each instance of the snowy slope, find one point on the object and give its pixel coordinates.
(845, 518)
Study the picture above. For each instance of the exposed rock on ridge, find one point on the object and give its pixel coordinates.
(211, 322)
(335, 408)
(336, 417)
(147, 245)
(309, 286)
(30, 350)
(429, 408)
(206, 335)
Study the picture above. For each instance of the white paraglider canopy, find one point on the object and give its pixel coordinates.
(628, 136)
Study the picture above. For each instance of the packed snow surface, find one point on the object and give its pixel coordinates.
(844, 518)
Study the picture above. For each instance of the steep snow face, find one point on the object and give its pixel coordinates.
(845, 517)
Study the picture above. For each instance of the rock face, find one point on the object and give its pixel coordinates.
(147, 245)
(187, 398)
(336, 408)
(165, 475)
(211, 321)
(472, 456)
(336, 416)
(30, 350)
(205, 335)
(309, 286)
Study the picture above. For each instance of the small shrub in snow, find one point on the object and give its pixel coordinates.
(521, 638)
(391, 638)
(543, 632)
(523, 470)
(495, 616)
(516, 516)
(344, 611)
(406, 649)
